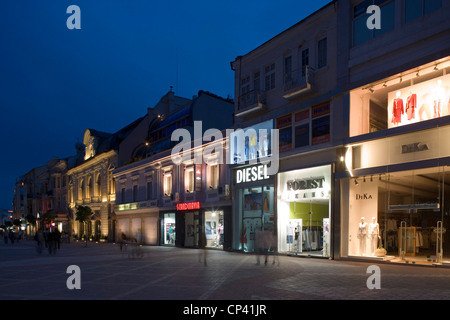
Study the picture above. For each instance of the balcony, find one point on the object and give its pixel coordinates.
(249, 102)
(298, 82)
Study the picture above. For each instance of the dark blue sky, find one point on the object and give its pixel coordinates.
(56, 82)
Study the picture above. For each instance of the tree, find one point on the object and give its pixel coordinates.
(83, 216)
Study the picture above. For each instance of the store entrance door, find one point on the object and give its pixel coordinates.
(192, 229)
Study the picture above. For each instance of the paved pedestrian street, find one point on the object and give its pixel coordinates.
(163, 273)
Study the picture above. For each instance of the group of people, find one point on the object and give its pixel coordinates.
(11, 236)
(50, 239)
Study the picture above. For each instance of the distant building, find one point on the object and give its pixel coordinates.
(90, 182)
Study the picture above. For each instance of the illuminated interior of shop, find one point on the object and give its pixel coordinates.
(304, 212)
(257, 215)
(413, 96)
(411, 209)
(214, 229)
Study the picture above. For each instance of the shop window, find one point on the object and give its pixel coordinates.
(363, 34)
(168, 229)
(303, 212)
(214, 221)
(417, 8)
(402, 212)
(256, 215)
(411, 97)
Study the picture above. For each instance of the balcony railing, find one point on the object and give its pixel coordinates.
(298, 82)
(250, 101)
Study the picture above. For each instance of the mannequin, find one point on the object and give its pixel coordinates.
(397, 109)
(362, 236)
(374, 235)
(411, 105)
(289, 234)
(438, 99)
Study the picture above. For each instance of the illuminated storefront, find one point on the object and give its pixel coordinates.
(254, 206)
(395, 197)
(304, 210)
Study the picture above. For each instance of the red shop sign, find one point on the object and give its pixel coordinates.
(188, 206)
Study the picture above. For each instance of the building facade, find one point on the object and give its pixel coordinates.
(393, 193)
(288, 84)
(160, 202)
(90, 181)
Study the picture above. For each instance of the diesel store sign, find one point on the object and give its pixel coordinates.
(251, 174)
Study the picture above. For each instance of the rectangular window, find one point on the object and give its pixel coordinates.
(135, 193)
(322, 53)
(305, 61)
(287, 69)
(256, 81)
(245, 85)
(320, 130)
(189, 179)
(302, 135)
(149, 190)
(417, 8)
(213, 176)
(361, 33)
(122, 195)
(167, 184)
(269, 77)
(284, 124)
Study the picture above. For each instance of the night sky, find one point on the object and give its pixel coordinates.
(56, 82)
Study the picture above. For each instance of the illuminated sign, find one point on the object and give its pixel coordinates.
(250, 174)
(306, 184)
(188, 206)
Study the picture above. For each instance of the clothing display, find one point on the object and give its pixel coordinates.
(411, 105)
(397, 111)
(374, 236)
(362, 236)
(438, 99)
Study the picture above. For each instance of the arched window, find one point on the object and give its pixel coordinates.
(98, 185)
(89, 187)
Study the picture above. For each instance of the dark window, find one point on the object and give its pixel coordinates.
(149, 190)
(361, 33)
(322, 53)
(417, 8)
(302, 135)
(135, 193)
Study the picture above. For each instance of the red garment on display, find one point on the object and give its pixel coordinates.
(411, 105)
(397, 111)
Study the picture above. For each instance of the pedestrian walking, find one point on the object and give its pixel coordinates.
(39, 238)
(51, 242)
(123, 239)
(57, 239)
(5, 236)
(11, 237)
(203, 253)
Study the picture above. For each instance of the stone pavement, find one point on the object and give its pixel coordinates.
(165, 273)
